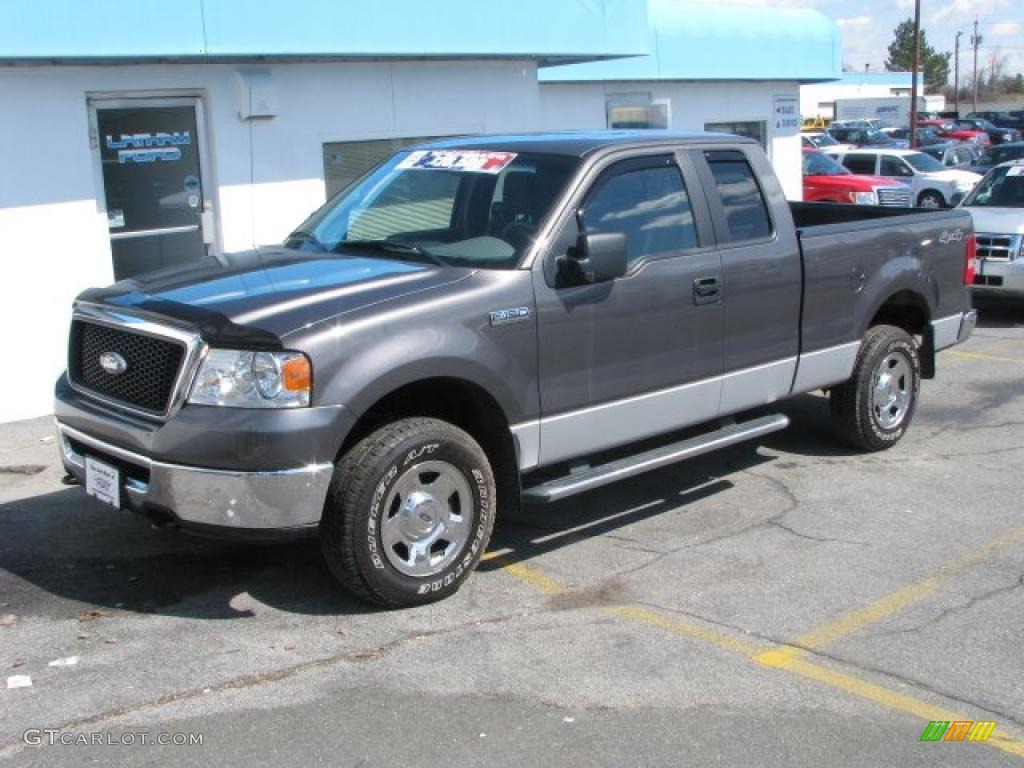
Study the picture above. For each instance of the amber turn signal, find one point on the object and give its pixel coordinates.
(296, 375)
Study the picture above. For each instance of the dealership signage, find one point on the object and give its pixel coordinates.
(149, 147)
(786, 114)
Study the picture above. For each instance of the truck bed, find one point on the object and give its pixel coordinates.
(855, 256)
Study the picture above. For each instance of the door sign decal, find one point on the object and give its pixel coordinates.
(149, 147)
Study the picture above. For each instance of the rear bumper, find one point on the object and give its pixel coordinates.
(955, 329)
(999, 278)
(206, 499)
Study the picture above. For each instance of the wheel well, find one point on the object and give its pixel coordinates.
(462, 403)
(935, 192)
(908, 310)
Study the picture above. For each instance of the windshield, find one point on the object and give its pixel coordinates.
(823, 140)
(456, 207)
(997, 155)
(817, 164)
(1002, 187)
(923, 163)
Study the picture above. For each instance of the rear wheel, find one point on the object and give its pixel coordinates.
(409, 513)
(873, 409)
(931, 199)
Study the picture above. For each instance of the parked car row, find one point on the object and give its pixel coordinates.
(826, 181)
(931, 184)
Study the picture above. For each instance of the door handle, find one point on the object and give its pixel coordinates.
(706, 290)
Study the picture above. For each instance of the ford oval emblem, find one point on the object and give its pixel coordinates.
(113, 363)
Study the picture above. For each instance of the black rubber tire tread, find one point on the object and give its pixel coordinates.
(361, 468)
(850, 402)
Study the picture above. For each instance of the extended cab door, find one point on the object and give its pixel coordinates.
(641, 354)
(761, 276)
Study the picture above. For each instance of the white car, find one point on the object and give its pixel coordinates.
(932, 185)
(997, 207)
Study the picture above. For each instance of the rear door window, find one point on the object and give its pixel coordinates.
(746, 213)
(860, 163)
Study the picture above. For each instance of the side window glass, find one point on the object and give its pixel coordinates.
(746, 213)
(893, 166)
(649, 205)
(863, 164)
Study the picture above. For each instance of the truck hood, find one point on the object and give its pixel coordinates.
(954, 176)
(852, 181)
(260, 296)
(997, 221)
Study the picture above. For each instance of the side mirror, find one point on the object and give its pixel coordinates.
(597, 258)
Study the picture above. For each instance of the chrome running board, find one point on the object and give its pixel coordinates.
(630, 466)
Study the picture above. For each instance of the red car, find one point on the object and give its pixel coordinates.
(826, 181)
(949, 130)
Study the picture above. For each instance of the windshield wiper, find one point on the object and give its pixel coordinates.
(306, 237)
(394, 246)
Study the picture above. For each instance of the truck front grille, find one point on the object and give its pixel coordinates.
(895, 197)
(153, 365)
(998, 247)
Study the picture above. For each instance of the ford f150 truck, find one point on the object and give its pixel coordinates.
(480, 322)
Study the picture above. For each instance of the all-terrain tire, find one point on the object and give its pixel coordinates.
(872, 410)
(365, 496)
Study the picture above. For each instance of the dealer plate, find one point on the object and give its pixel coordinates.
(103, 482)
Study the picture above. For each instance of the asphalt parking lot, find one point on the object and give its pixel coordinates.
(788, 603)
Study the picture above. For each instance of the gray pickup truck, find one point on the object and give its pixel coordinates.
(485, 321)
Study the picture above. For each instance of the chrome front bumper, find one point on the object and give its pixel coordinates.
(233, 499)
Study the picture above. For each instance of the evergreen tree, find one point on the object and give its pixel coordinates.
(934, 65)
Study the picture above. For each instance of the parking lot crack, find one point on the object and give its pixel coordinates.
(945, 613)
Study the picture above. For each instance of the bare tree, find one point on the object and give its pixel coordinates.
(996, 68)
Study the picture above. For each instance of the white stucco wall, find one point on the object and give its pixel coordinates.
(266, 175)
(692, 105)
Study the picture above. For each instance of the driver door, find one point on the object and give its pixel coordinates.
(641, 354)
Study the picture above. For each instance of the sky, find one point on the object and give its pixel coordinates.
(867, 28)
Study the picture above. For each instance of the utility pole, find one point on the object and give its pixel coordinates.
(956, 75)
(975, 41)
(915, 65)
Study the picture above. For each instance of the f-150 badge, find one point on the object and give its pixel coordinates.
(503, 316)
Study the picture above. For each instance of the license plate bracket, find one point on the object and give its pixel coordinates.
(103, 482)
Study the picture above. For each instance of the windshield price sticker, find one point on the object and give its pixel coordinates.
(458, 160)
(1015, 170)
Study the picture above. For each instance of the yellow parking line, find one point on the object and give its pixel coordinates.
(786, 660)
(983, 356)
(857, 620)
(672, 624)
(889, 698)
(531, 576)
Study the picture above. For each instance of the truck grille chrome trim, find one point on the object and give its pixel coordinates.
(998, 247)
(160, 360)
(893, 197)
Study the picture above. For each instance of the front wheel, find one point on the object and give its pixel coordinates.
(931, 199)
(409, 513)
(873, 409)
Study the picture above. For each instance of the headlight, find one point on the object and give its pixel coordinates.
(864, 198)
(244, 379)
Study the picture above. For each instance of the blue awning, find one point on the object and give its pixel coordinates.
(115, 30)
(711, 42)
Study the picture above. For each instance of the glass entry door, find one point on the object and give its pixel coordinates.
(153, 184)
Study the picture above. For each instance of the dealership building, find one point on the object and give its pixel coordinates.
(139, 137)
